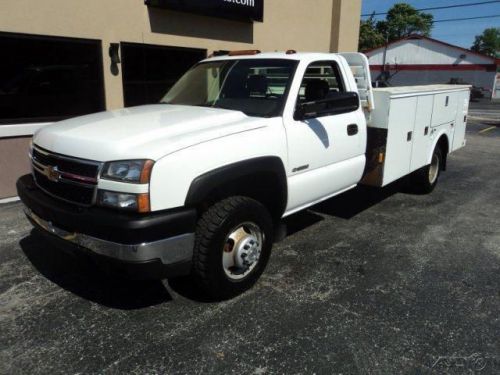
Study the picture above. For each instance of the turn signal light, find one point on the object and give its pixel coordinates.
(146, 172)
(143, 203)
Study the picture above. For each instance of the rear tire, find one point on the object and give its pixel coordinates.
(425, 179)
(233, 244)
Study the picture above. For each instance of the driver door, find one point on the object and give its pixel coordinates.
(326, 154)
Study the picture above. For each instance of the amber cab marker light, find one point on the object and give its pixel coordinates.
(244, 52)
(143, 203)
(146, 172)
(291, 52)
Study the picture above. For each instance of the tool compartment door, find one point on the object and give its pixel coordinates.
(461, 120)
(421, 133)
(445, 108)
(399, 138)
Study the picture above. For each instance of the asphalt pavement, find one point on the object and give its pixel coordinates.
(370, 282)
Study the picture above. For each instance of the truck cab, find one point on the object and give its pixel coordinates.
(197, 183)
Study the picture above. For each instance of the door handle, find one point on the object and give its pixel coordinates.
(352, 129)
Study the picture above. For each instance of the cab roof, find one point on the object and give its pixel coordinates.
(298, 56)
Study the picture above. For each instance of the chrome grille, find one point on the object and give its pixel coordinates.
(70, 179)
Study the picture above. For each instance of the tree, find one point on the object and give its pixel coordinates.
(488, 42)
(369, 36)
(401, 21)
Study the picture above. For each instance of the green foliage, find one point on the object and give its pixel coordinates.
(369, 36)
(488, 42)
(402, 20)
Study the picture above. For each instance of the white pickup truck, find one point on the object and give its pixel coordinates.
(197, 183)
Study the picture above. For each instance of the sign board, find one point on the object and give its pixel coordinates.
(242, 10)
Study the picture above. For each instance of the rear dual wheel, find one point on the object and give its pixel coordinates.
(425, 179)
(233, 244)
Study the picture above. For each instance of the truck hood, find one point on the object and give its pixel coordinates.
(145, 132)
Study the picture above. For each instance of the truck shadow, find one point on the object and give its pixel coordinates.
(359, 199)
(78, 274)
(344, 206)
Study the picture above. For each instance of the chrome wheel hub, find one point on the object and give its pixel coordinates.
(248, 252)
(242, 250)
(434, 169)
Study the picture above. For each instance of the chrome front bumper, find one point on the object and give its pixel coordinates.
(169, 251)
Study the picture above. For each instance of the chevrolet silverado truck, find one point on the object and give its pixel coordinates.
(196, 184)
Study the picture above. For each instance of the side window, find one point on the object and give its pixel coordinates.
(323, 93)
(321, 80)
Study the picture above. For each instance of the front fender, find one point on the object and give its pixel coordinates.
(173, 175)
(203, 185)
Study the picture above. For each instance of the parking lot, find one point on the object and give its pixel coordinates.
(370, 282)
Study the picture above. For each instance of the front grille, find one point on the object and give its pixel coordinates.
(71, 179)
(77, 194)
(66, 164)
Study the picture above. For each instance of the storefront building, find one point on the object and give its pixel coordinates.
(63, 58)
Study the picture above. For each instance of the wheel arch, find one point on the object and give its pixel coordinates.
(443, 143)
(262, 178)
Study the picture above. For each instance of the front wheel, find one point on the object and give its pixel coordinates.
(425, 179)
(233, 244)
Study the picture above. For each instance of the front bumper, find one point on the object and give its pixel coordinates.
(157, 239)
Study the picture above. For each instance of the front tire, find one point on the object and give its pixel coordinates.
(425, 179)
(233, 244)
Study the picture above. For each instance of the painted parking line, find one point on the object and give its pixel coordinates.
(479, 118)
(487, 129)
(473, 118)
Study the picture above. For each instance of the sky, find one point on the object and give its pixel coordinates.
(460, 33)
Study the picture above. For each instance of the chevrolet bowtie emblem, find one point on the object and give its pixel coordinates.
(52, 173)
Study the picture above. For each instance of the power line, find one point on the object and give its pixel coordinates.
(466, 19)
(441, 7)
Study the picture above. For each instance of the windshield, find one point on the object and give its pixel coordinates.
(256, 87)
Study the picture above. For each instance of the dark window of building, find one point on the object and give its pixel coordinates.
(150, 71)
(49, 78)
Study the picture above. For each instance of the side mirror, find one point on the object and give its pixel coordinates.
(337, 103)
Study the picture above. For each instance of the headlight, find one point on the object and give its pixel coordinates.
(138, 171)
(126, 201)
